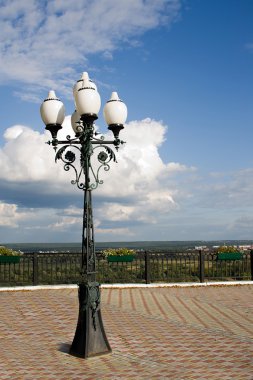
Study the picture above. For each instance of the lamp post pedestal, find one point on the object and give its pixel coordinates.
(90, 338)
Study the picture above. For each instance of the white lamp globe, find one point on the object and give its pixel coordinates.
(115, 111)
(79, 83)
(87, 99)
(52, 110)
(75, 118)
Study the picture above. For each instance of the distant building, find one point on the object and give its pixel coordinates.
(202, 248)
(245, 247)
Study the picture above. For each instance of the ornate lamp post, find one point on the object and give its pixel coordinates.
(90, 338)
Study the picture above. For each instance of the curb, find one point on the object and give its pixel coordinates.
(129, 286)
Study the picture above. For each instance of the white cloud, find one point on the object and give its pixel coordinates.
(232, 190)
(26, 158)
(23, 158)
(42, 42)
(176, 167)
(147, 208)
(136, 190)
(140, 169)
(140, 193)
(65, 224)
(8, 215)
(68, 218)
(12, 216)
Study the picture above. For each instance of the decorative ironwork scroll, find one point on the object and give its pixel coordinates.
(86, 155)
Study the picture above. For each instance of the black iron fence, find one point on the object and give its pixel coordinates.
(146, 267)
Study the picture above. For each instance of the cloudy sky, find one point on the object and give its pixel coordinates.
(185, 70)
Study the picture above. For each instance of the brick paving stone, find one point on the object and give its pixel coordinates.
(155, 333)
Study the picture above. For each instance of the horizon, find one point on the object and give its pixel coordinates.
(134, 241)
(184, 68)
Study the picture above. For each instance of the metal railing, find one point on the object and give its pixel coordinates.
(147, 267)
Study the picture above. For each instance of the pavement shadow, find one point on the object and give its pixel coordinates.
(64, 347)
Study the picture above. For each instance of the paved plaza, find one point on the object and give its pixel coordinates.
(176, 333)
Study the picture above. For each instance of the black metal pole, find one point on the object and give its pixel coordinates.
(251, 264)
(201, 266)
(35, 268)
(147, 267)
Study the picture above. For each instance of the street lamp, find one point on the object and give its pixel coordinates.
(90, 338)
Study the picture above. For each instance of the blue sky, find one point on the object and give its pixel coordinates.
(184, 69)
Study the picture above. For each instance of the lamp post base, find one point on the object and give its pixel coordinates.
(90, 338)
